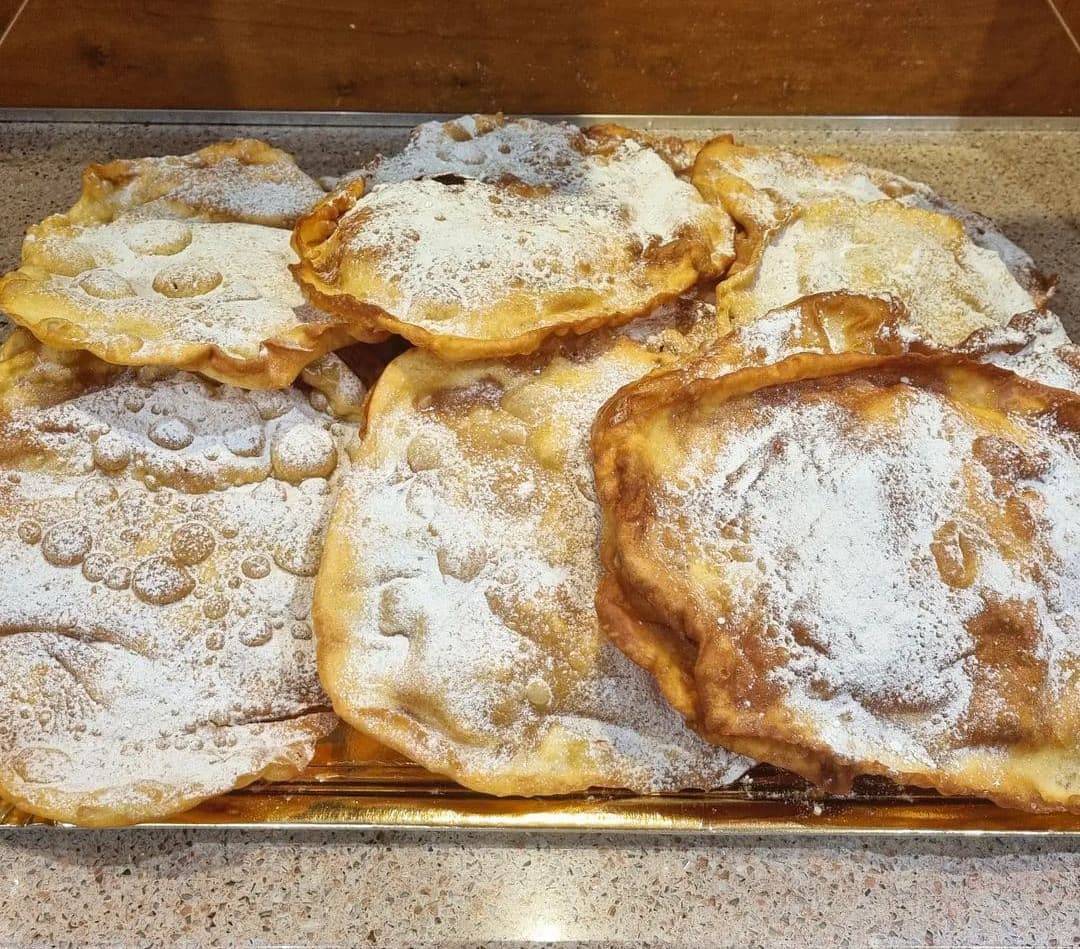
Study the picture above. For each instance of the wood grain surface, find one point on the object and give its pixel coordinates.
(8, 9)
(1069, 10)
(663, 56)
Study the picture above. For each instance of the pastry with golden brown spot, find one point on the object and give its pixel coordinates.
(216, 298)
(531, 231)
(454, 607)
(1033, 345)
(760, 187)
(852, 564)
(950, 286)
(493, 147)
(159, 540)
(243, 181)
(678, 151)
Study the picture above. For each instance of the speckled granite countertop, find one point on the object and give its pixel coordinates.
(411, 889)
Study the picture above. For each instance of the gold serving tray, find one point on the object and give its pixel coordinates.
(354, 782)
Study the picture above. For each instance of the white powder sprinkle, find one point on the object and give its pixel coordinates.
(826, 531)
(472, 527)
(155, 640)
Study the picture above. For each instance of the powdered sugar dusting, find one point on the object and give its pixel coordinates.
(783, 179)
(796, 179)
(950, 286)
(163, 282)
(468, 243)
(834, 539)
(482, 147)
(154, 631)
(1039, 349)
(221, 183)
(1033, 345)
(472, 529)
(441, 251)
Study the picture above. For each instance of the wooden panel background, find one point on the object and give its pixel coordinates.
(663, 56)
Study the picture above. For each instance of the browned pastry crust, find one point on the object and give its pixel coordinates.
(951, 286)
(245, 181)
(479, 265)
(758, 665)
(760, 187)
(215, 298)
(454, 606)
(158, 542)
(676, 150)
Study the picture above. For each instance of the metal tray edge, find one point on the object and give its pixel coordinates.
(911, 123)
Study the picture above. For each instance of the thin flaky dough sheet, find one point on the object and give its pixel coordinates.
(759, 187)
(850, 564)
(950, 285)
(454, 608)
(159, 540)
(485, 241)
(242, 181)
(216, 298)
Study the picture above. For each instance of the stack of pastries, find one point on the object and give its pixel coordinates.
(552, 458)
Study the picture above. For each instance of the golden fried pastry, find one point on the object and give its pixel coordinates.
(680, 153)
(159, 540)
(550, 233)
(485, 147)
(493, 148)
(244, 181)
(454, 613)
(858, 564)
(215, 298)
(760, 187)
(950, 286)
(1033, 345)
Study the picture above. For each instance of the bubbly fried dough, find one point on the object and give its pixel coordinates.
(454, 607)
(490, 242)
(159, 538)
(492, 148)
(244, 181)
(488, 148)
(760, 187)
(853, 564)
(950, 286)
(209, 297)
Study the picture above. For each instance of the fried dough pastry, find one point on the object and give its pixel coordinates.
(454, 613)
(244, 181)
(680, 153)
(492, 148)
(159, 540)
(548, 232)
(216, 298)
(488, 148)
(950, 286)
(1033, 345)
(760, 187)
(858, 564)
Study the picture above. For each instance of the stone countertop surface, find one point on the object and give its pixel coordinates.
(239, 887)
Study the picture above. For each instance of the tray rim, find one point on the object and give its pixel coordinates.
(689, 122)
